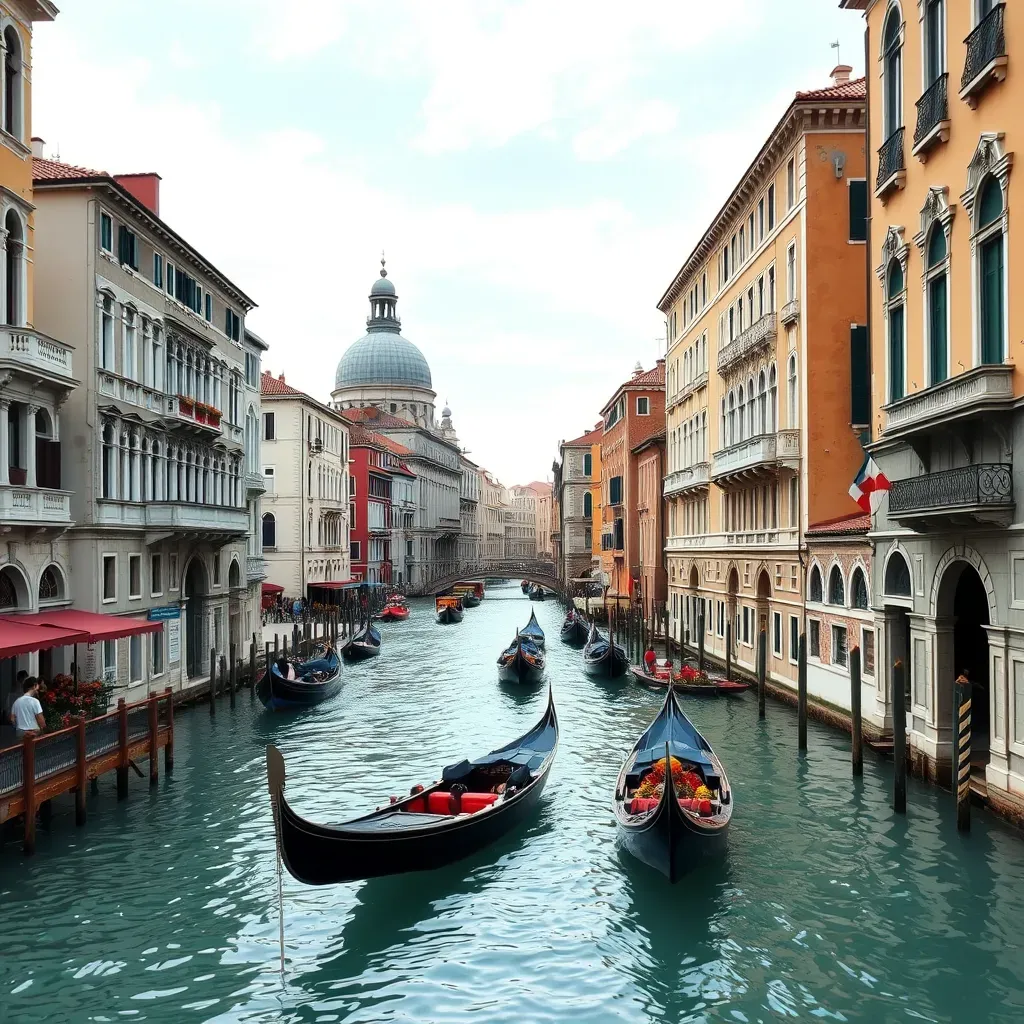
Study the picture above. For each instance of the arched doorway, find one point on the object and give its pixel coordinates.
(693, 605)
(235, 605)
(897, 584)
(962, 613)
(195, 589)
(764, 593)
(733, 586)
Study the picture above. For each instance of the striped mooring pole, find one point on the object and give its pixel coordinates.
(963, 753)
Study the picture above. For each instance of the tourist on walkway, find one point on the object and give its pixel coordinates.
(27, 712)
(297, 610)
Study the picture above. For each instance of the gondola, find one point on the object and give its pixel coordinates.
(712, 688)
(394, 612)
(536, 594)
(448, 609)
(526, 584)
(574, 630)
(365, 643)
(532, 631)
(473, 804)
(676, 825)
(316, 680)
(521, 662)
(603, 659)
(471, 593)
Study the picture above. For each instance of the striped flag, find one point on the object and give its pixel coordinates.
(868, 486)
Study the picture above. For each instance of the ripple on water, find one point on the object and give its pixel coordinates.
(826, 906)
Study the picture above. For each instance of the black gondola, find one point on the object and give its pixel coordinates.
(575, 630)
(525, 585)
(603, 659)
(316, 680)
(521, 662)
(365, 643)
(448, 609)
(532, 631)
(473, 804)
(682, 825)
(536, 593)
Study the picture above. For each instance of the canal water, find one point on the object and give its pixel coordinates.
(164, 907)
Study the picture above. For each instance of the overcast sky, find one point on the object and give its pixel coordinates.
(536, 170)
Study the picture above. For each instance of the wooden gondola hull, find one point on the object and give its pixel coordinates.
(673, 843)
(520, 670)
(575, 634)
(394, 614)
(320, 859)
(470, 600)
(449, 616)
(612, 665)
(365, 644)
(277, 694)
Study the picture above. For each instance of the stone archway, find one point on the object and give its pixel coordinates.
(195, 588)
(764, 593)
(733, 587)
(692, 603)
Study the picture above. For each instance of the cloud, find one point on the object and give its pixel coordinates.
(298, 29)
(620, 126)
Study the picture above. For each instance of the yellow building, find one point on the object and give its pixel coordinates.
(763, 437)
(945, 119)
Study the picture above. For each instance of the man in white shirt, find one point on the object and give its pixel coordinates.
(27, 712)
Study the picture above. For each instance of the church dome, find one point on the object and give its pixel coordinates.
(382, 286)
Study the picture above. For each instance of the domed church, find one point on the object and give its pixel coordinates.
(382, 368)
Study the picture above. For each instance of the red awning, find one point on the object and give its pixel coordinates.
(272, 588)
(92, 626)
(19, 636)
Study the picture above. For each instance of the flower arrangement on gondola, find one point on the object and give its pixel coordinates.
(690, 676)
(63, 702)
(685, 783)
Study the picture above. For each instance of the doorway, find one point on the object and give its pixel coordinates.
(764, 593)
(733, 587)
(970, 657)
(195, 591)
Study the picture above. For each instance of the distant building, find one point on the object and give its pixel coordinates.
(496, 509)
(521, 533)
(649, 458)
(576, 504)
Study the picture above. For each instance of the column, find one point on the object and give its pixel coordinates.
(30, 444)
(5, 476)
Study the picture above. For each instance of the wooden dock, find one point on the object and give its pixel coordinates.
(42, 767)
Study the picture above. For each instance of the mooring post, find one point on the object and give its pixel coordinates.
(213, 681)
(962, 711)
(899, 738)
(276, 645)
(222, 680)
(728, 650)
(169, 746)
(801, 695)
(233, 675)
(700, 639)
(266, 660)
(81, 771)
(856, 725)
(28, 784)
(295, 638)
(252, 667)
(284, 647)
(122, 742)
(762, 670)
(154, 741)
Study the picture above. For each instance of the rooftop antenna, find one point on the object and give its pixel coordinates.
(835, 46)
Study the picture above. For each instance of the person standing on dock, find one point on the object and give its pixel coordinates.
(27, 712)
(650, 660)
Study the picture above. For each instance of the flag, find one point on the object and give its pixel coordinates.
(868, 486)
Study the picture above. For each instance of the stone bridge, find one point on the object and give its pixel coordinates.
(535, 570)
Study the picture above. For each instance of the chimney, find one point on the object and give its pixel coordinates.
(280, 377)
(841, 74)
(38, 147)
(145, 188)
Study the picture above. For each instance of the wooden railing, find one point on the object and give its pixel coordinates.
(42, 767)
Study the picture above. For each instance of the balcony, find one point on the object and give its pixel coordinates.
(689, 388)
(984, 389)
(932, 117)
(195, 416)
(765, 453)
(28, 351)
(986, 56)
(757, 336)
(977, 495)
(790, 312)
(892, 168)
(255, 568)
(255, 484)
(697, 475)
(213, 520)
(34, 506)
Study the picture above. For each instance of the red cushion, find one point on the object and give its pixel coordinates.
(643, 804)
(439, 802)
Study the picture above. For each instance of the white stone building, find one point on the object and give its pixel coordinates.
(495, 512)
(521, 532)
(305, 463)
(575, 484)
(153, 438)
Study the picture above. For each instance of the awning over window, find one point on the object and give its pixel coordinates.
(18, 636)
(343, 585)
(272, 588)
(91, 626)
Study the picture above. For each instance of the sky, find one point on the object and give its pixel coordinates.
(536, 171)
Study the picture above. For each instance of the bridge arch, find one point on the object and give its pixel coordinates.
(541, 573)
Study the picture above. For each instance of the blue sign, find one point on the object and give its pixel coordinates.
(168, 611)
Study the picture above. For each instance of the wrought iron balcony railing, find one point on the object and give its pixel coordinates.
(932, 109)
(986, 48)
(890, 159)
(950, 490)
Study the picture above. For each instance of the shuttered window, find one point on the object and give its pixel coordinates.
(127, 247)
(860, 377)
(858, 211)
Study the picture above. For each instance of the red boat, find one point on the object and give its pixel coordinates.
(687, 681)
(394, 612)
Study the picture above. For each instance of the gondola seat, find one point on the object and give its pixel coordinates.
(641, 805)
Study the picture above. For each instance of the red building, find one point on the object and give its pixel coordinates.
(374, 463)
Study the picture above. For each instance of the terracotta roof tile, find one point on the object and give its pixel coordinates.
(54, 170)
(271, 385)
(375, 415)
(589, 438)
(654, 378)
(855, 89)
(857, 522)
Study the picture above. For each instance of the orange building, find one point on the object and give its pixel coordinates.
(649, 458)
(945, 118)
(763, 431)
(634, 413)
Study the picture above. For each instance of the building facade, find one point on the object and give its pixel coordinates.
(575, 482)
(157, 425)
(496, 508)
(543, 492)
(764, 416)
(521, 523)
(253, 348)
(649, 458)
(470, 537)
(305, 524)
(946, 426)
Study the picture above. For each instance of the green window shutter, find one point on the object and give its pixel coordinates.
(992, 301)
(858, 211)
(896, 353)
(122, 244)
(860, 376)
(937, 300)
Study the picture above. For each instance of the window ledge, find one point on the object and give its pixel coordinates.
(896, 182)
(938, 134)
(14, 144)
(993, 71)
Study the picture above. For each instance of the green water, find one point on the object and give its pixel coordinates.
(828, 907)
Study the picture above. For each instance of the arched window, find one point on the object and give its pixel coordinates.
(750, 408)
(730, 433)
(836, 587)
(937, 313)
(13, 83)
(792, 397)
(15, 269)
(762, 404)
(896, 312)
(109, 468)
(816, 584)
(269, 530)
(741, 415)
(892, 72)
(897, 576)
(991, 270)
(9, 587)
(588, 505)
(51, 585)
(858, 589)
(773, 400)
